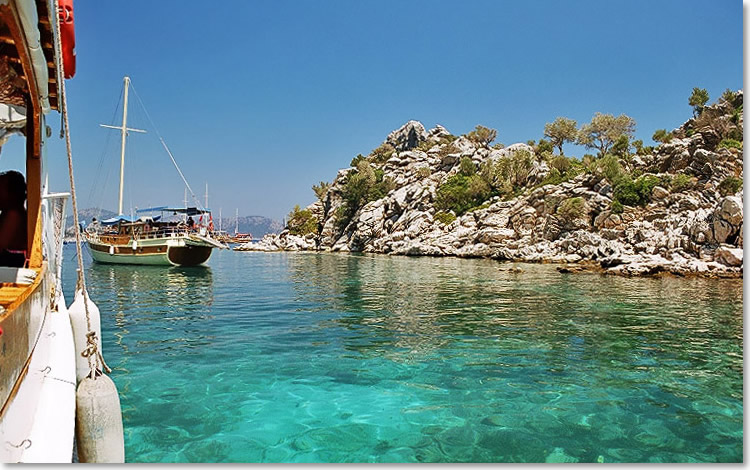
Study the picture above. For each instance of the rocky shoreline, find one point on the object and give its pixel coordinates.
(694, 228)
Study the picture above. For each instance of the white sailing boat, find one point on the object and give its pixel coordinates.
(151, 240)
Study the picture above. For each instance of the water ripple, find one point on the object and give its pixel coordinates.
(362, 358)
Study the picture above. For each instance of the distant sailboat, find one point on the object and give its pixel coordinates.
(149, 239)
(239, 237)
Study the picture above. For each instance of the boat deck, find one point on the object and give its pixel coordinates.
(13, 294)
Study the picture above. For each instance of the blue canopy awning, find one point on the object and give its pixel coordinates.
(175, 210)
(117, 219)
(121, 218)
(151, 209)
(187, 210)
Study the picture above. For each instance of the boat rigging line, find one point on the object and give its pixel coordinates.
(92, 352)
(98, 190)
(169, 152)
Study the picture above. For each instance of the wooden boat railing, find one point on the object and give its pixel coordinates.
(125, 239)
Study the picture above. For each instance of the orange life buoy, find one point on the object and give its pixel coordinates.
(67, 37)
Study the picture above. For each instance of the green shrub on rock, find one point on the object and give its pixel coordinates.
(589, 162)
(448, 148)
(355, 161)
(646, 184)
(736, 115)
(625, 192)
(553, 177)
(730, 97)
(321, 189)
(571, 209)
(621, 147)
(617, 207)
(661, 135)
(645, 150)
(445, 217)
(342, 217)
(730, 144)
(462, 193)
(424, 172)
(492, 173)
(635, 193)
(469, 188)
(698, 100)
(382, 153)
(560, 163)
(730, 186)
(681, 182)
(562, 169)
(302, 222)
(508, 173)
(609, 167)
(543, 146)
(467, 166)
(520, 165)
(360, 187)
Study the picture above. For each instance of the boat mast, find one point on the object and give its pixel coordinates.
(124, 130)
(206, 206)
(124, 135)
(236, 221)
(220, 219)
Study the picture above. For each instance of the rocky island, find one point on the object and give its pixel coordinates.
(631, 209)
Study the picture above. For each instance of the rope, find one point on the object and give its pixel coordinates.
(101, 169)
(91, 352)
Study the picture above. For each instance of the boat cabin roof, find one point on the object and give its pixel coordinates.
(17, 86)
(123, 220)
(176, 210)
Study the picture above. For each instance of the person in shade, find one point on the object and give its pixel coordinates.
(13, 234)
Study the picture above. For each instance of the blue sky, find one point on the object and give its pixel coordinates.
(263, 99)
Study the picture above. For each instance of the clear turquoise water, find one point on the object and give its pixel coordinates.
(358, 358)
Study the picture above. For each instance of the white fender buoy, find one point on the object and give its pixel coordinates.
(135, 244)
(99, 435)
(77, 313)
(111, 250)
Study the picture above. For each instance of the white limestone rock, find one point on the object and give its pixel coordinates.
(407, 136)
(729, 255)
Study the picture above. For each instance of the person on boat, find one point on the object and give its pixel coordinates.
(191, 222)
(12, 219)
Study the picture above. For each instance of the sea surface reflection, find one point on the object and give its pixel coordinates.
(335, 357)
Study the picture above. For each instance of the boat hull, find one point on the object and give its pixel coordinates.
(189, 255)
(158, 259)
(165, 252)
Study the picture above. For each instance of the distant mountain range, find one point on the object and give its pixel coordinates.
(255, 224)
